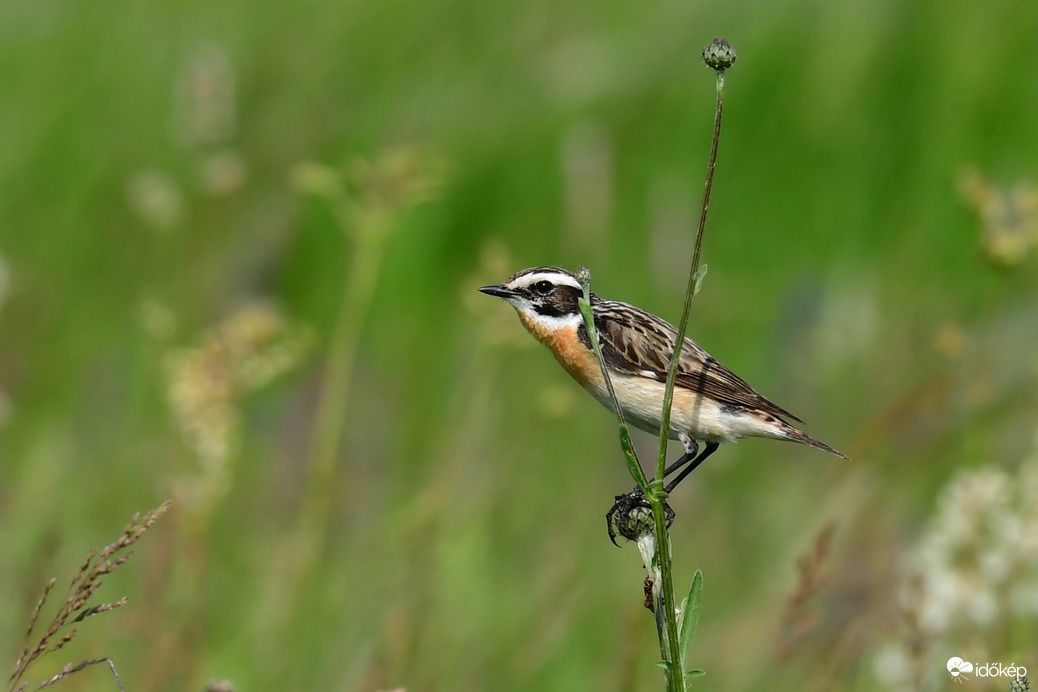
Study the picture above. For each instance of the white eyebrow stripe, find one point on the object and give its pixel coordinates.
(554, 277)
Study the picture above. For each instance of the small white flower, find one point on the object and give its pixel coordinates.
(995, 565)
(982, 606)
(939, 600)
(1023, 599)
(892, 666)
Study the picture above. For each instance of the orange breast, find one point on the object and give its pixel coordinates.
(578, 360)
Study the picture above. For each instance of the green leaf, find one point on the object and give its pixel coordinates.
(697, 280)
(697, 673)
(665, 665)
(690, 616)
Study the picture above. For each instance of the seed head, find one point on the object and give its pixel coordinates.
(719, 54)
(631, 517)
(636, 522)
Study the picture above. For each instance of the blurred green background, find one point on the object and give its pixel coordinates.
(239, 248)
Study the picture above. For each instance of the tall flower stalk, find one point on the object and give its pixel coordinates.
(369, 201)
(650, 528)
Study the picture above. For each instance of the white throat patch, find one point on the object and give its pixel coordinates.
(548, 322)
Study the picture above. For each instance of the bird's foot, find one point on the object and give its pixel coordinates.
(631, 516)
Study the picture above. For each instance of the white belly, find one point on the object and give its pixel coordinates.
(701, 417)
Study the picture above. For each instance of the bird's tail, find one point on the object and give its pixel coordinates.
(802, 437)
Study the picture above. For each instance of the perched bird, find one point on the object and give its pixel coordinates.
(711, 403)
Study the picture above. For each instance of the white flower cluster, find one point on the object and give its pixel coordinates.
(974, 569)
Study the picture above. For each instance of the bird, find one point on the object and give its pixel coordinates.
(711, 404)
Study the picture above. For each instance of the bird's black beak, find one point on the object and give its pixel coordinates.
(499, 290)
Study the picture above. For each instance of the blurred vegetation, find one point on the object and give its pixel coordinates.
(172, 275)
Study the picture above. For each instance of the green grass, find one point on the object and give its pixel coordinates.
(839, 248)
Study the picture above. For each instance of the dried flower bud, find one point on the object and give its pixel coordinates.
(631, 517)
(719, 54)
(638, 521)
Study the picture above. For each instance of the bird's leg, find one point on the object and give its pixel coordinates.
(691, 450)
(711, 447)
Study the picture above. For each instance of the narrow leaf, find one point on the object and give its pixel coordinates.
(690, 616)
(697, 280)
(633, 465)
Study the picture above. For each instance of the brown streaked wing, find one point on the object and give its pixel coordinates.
(640, 343)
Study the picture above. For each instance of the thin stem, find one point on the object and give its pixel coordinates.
(693, 277)
(633, 465)
(656, 499)
(660, 616)
(655, 492)
(655, 495)
(677, 677)
(330, 416)
(651, 560)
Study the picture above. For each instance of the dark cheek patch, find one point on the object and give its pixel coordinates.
(549, 309)
(562, 302)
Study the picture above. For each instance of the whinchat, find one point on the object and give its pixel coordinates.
(711, 403)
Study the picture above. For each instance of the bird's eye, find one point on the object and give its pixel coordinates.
(544, 287)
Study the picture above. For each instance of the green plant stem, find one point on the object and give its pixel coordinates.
(666, 626)
(677, 677)
(633, 465)
(693, 279)
(656, 496)
(660, 616)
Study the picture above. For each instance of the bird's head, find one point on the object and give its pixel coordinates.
(544, 297)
